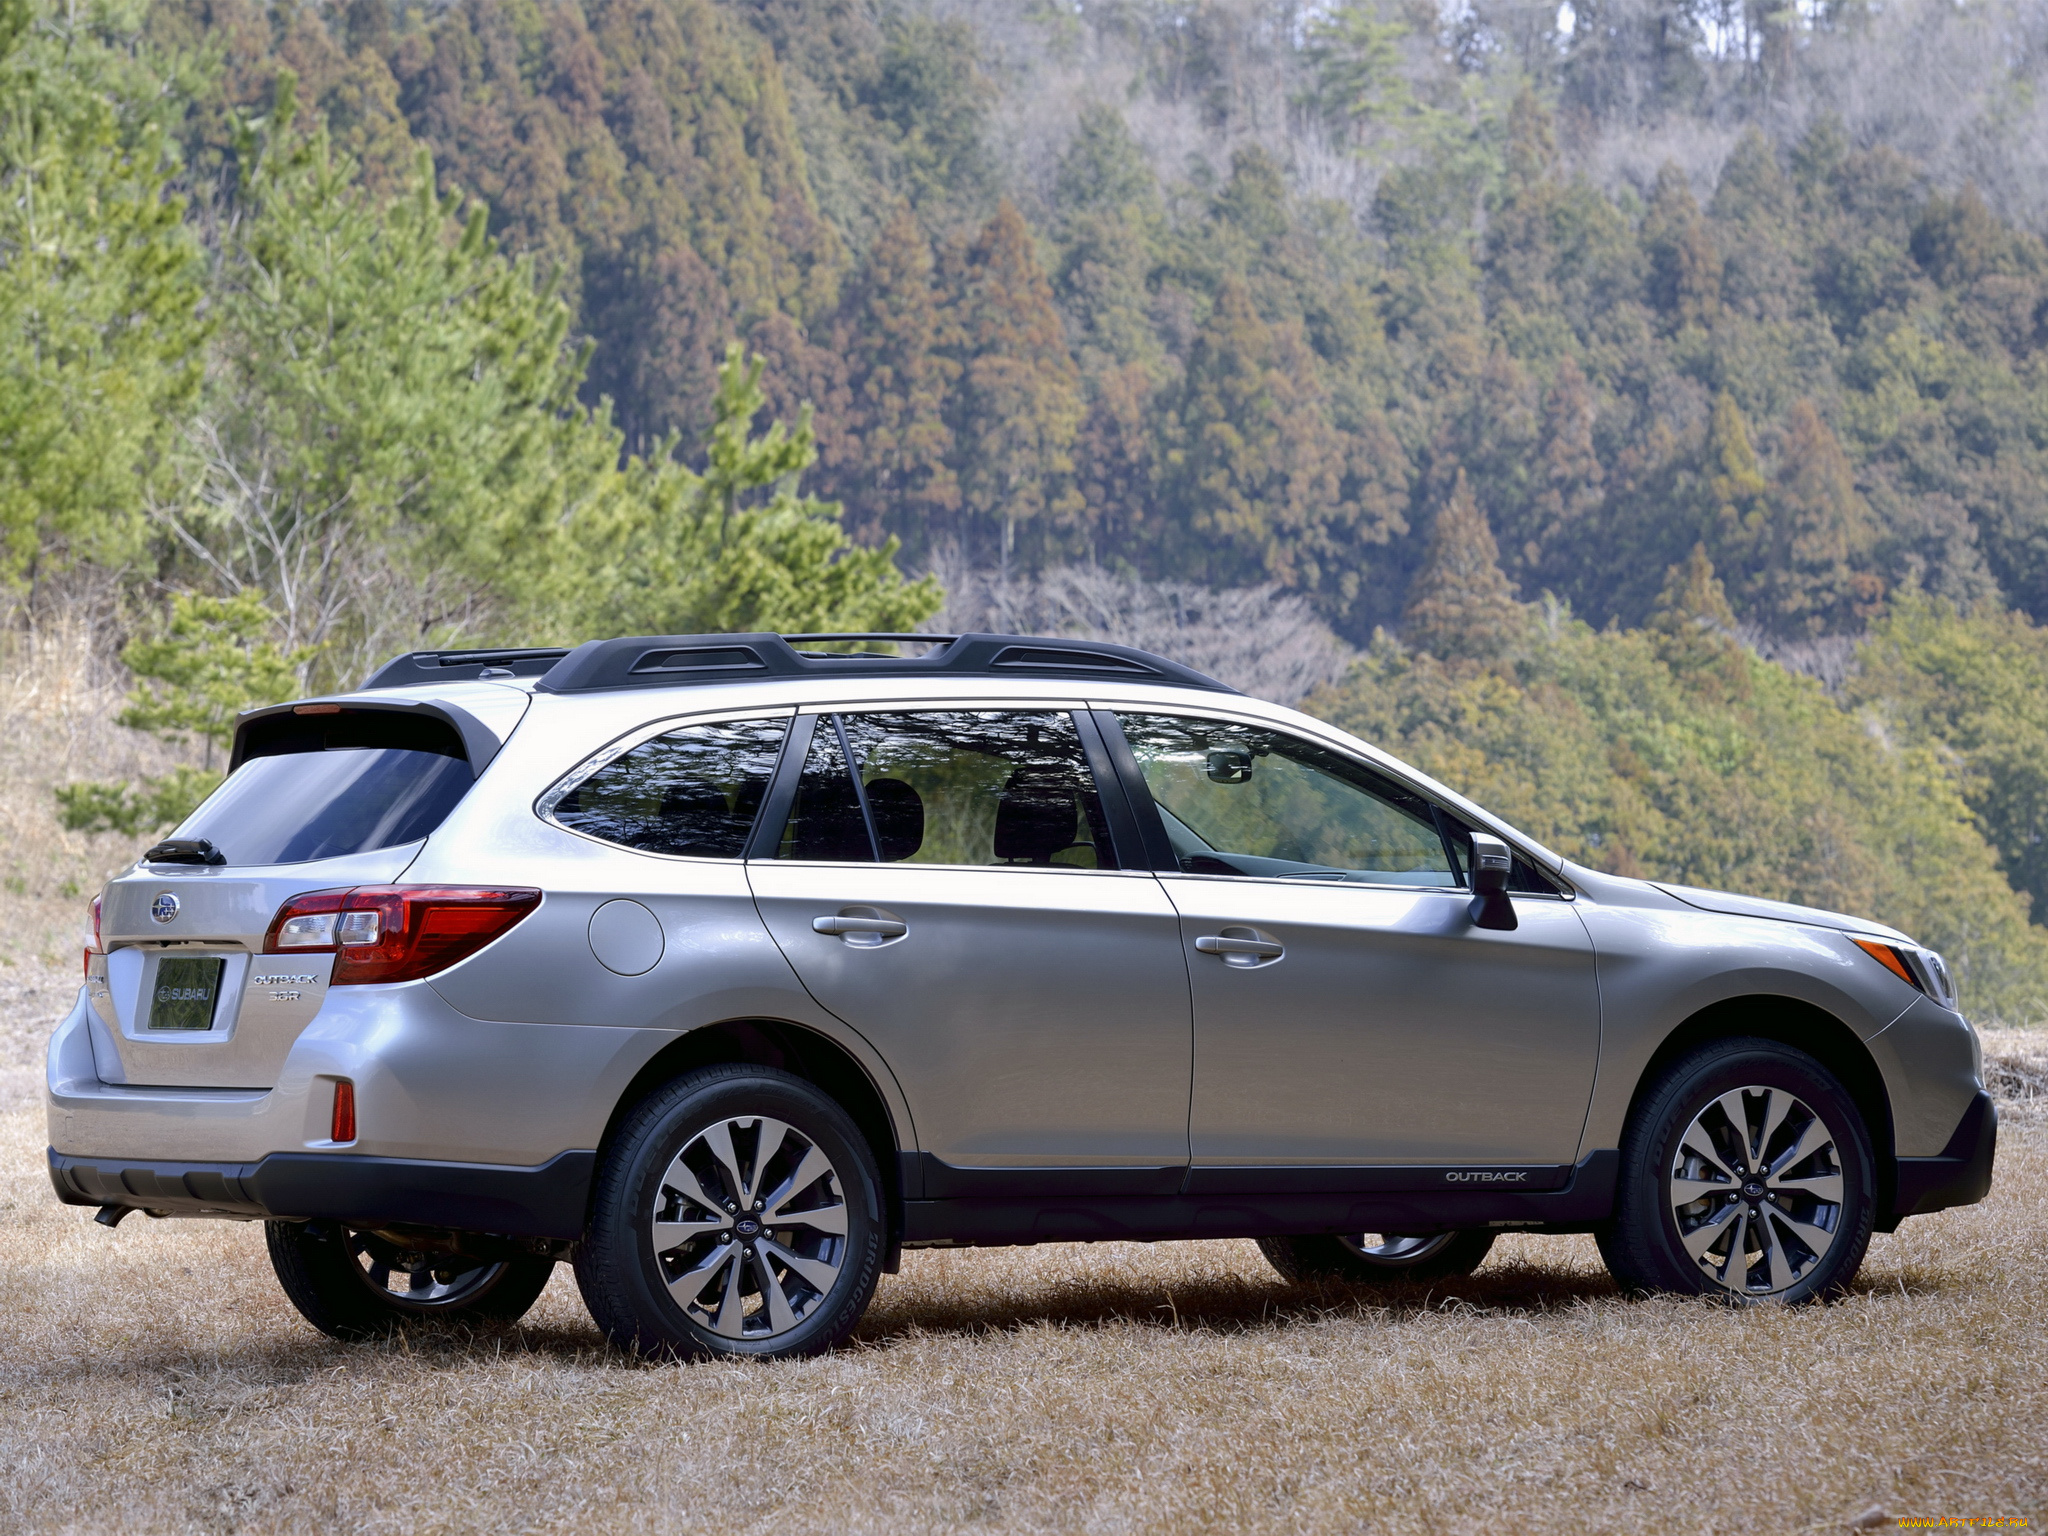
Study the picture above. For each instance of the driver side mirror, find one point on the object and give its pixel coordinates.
(1491, 865)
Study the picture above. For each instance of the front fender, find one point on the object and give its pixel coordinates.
(1659, 967)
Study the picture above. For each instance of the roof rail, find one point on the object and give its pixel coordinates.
(669, 661)
(416, 667)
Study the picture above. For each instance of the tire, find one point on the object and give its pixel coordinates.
(1377, 1258)
(355, 1286)
(1699, 1212)
(684, 1256)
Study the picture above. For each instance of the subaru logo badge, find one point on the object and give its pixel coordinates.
(164, 908)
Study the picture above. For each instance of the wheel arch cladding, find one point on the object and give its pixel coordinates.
(1804, 1027)
(801, 1052)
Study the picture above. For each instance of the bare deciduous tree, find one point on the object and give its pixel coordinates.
(1257, 639)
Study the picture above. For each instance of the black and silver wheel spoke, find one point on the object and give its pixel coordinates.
(1756, 1190)
(749, 1228)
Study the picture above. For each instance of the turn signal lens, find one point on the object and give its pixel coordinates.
(344, 1127)
(383, 933)
(1890, 957)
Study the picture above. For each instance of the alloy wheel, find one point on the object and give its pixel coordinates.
(1395, 1251)
(1756, 1189)
(749, 1227)
(430, 1281)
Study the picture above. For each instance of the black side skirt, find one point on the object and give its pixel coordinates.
(1085, 1204)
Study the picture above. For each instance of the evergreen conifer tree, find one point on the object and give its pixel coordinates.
(1684, 279)
(1755, 209)
(1112, 220)
(1814, 572)
(1694, 627)
(1256, 472)
(1018, 404)
(1460, 605)
(1569, 478)
(1114, 467)
(1737, 494)
(891, 469)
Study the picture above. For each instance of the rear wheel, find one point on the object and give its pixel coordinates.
(356, 1285)
(1746, 1174)
(1378, 1258)
(738, 1212)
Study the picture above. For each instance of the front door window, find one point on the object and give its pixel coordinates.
(1242, 800)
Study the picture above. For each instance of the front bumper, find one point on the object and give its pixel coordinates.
(546, 1201)
(1961, 1175)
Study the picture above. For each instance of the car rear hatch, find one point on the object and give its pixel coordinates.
(321, 796)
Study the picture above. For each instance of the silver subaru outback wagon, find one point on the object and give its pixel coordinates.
(727, 967)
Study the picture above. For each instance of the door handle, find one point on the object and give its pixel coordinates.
(882, 927)
(1257, 949)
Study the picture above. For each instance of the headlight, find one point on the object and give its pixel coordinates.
(1919, 968)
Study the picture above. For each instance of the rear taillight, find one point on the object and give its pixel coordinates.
(396, 932)
(97, 946)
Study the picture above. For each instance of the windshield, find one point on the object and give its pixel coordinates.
(300, 806)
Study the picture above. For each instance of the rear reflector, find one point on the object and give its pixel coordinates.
(344, 1127)
(383, 933)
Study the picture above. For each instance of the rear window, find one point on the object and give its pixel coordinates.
(323, 786)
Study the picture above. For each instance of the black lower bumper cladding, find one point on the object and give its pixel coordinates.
(545, 1201)
(1961, 1175)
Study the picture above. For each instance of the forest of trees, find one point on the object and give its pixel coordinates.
(1653, 392)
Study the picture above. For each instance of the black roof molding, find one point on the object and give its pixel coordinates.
(416, 667)
(669, 661)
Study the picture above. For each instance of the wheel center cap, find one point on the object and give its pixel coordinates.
(746, 1226)
(1753, 1190)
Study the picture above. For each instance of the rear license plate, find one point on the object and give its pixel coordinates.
(187, 990)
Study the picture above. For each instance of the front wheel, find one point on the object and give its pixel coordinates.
(1377, 1258)
(738, 1212)
(354, 1285)
(1747, 1174)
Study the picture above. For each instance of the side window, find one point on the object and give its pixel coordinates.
(960, 787)
(1241, 800)
(693, 791)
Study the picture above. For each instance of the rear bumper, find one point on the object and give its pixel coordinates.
(545, 1201)
(1961, 1175)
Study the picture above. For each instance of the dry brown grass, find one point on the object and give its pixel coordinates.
(155, 1379)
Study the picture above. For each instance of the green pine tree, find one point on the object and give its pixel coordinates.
(1460, 606)
(100, 289)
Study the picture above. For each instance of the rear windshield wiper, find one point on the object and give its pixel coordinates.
(184, 850)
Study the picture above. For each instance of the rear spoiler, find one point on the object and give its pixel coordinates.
(353, 722)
